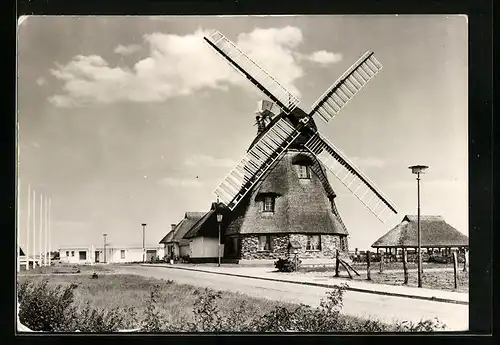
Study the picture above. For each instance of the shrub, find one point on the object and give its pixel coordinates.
(44, 308)
(286, 265)
(207, 316)
(152, 322)
(90, 319)
(429, 325)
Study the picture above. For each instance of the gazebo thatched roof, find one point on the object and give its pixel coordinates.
(434, 233)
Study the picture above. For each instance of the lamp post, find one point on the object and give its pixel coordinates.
(219, 221)
(143, 243)
(418, 169)
(104, 247)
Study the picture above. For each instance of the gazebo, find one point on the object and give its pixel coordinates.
(436, 236)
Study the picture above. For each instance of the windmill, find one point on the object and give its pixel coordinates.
(292, 122)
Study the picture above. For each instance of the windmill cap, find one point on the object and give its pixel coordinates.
(267, 106)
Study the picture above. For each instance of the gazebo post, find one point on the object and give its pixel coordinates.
(405, 268)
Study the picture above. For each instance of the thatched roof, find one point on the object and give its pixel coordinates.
(434, 232)
(208, 225)
(168, 237)
(176, 235)
(301, 206)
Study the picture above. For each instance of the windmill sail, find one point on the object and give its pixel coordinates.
(256, 74)
(351, 177)
(256, 162)
(346, 87)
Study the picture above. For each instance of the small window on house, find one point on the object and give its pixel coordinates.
(313, 242)
(304, 172)
(67, 253)
(265, 243)
(72, 253)
(122, 254)
(268, 204)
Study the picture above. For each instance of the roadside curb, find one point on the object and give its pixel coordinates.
(394, 294)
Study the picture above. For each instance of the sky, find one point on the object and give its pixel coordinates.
(135, 119)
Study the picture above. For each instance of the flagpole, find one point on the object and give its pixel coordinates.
(18, 254)
(40, 231)
(28, 230)
(50, 238)
(33, 253)
(45, 214)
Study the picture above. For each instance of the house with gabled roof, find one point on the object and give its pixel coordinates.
(174, 242)
(204, 237)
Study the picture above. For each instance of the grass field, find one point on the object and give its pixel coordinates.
(175, 301)
(175, 304)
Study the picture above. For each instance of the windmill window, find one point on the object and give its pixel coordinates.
(304, 172)
(268, 204)
(265, 243)
(313, 242)
(122, 254)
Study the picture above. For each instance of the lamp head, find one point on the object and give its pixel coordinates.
(143, 224)
(219, 217)
(418, 169)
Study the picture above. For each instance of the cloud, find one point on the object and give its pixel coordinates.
(41, 81)
(324, 58)
(209, 161)
(368, 162)
(176, 66)
(179, 182)
(127, 50)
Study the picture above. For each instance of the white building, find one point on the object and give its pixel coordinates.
(113, 254)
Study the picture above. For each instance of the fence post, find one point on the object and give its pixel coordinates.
(337, 263)
(405, 267)
(466, 259)
(455, 267)
(382, 262)
(368, 273)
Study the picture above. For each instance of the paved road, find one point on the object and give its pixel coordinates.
(386, 308)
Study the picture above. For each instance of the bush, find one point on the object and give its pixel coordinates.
(286, 265)
(89, 319)
(44, 308)
(441, 259)
(421, 326)
(152, 322)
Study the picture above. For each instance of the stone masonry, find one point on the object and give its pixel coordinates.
(250, 247)
(279, 245)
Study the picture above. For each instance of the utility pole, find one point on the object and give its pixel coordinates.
(143, 242)
(104, 247)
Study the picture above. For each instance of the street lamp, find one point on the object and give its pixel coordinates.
(143, 244)
(219, 221)
(418, 169)
(104, 247)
